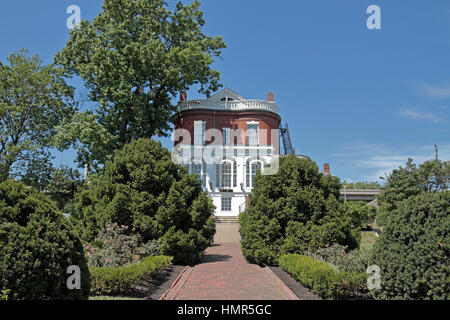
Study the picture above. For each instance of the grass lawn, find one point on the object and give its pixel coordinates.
(112, 298)
(368, 239)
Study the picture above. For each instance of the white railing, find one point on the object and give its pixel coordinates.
(228, 105)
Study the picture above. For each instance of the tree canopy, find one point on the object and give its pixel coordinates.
(410, 180)
(34, 99)
(362, 185)
(134, 58)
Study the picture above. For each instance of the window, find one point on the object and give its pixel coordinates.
(226, 136)
(200, 170)
(252, 134)
(226, 204)
(250, 172)
(226, 174)
(199, 133)
(256, 166)
(247, 173)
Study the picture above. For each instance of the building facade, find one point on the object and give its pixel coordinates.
(226, 139)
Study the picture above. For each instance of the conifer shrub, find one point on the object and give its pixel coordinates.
(413, 251)
(141, 187)
(294, 211)
(37, 245)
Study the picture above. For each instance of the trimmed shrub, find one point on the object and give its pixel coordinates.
(413, 250)
(141, 187)
(295, 210)
(321, 278)
(37, 245)
(121, 280)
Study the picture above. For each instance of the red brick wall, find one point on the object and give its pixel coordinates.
(226, 119)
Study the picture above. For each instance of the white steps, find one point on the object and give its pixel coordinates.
(227, 230)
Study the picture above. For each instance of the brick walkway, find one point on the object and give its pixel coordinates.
(224, 274)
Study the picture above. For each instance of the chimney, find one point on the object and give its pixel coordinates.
(326, 169)
(183, 96)
(270, 97)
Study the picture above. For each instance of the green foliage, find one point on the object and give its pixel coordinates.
(135, 57)
(321, 278)
(142, 188)
(404, 182)
(413, 250)
(340, 258)
(4, 294)
(121, 280)
(362, 185)
(34, 99)
(37, 245)
(293, 211)
(116, 246)
(361, 213)
(63, 184)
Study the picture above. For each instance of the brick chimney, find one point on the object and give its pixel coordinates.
(270, 97)
(326, 169)
(183, 96)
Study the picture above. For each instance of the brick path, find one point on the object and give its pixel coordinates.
(224, 274)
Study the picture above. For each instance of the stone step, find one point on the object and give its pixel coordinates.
(227, 232)
(226, 219)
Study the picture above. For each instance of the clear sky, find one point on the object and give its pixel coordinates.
(362, 100)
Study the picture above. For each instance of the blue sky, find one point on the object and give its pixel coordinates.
(362, 100)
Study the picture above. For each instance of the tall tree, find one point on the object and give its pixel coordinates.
(135, 57)
(411, 180)
(34, 99)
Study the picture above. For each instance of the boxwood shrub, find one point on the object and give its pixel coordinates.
(120, 280)
(37, 245)
(321, 278)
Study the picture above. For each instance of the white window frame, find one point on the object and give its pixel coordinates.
(200, 174)
(249, 175)
(199, 137)
(224, 207)
(226, 136)
(250, 124)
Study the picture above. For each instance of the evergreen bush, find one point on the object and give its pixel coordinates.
(293, 211)
(141, 187)
(37, 245)
(413, 252)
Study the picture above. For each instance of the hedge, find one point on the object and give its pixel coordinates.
(321, 278)
(120, 280)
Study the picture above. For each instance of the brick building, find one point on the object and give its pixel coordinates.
(225, 139)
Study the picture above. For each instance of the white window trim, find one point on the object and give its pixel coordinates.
(253, 123)
(222, 206)
(248, 170)
(202, 125)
